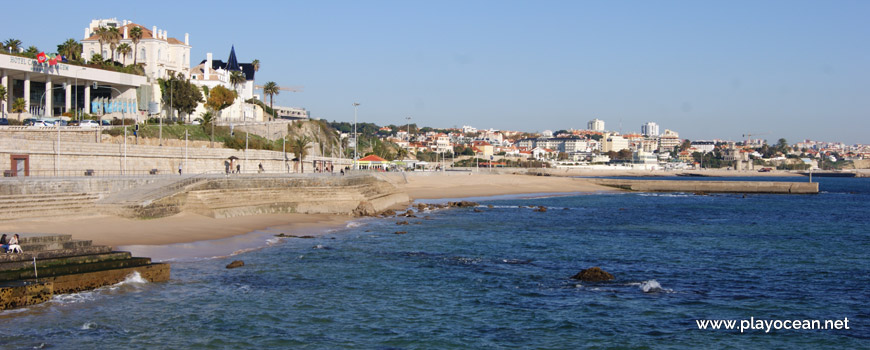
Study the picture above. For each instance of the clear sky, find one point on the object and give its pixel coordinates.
(707, 69)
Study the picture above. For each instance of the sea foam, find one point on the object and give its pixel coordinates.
(651, 286)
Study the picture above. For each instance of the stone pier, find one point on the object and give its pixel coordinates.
(64, 265)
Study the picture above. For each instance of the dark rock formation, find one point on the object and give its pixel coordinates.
(235, 264)
(541, 209)
(593, 274)
(462, 204)
(477, 210)
(401, 232)
(401, 223)
(388, 212)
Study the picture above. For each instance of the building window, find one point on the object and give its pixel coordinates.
(142, 54)
(160, 54)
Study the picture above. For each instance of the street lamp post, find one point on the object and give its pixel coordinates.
(355, 136)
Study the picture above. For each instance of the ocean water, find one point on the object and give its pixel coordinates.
(499, 279)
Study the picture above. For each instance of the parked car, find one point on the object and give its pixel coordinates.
(28, 121)
(87, 123)
(104, 122)
(43, 122)
(73, 123)
(197, 121)
(4, 121)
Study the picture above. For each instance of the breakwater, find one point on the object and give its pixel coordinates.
(774, 187)
(52, 264)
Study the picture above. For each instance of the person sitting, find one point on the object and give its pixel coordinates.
(14, 247)
(3, 243)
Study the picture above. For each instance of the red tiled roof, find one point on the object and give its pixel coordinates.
(372, 158)
(146, 34)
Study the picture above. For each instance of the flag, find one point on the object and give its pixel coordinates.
(63, 59)
(41, 57)
(52, 61)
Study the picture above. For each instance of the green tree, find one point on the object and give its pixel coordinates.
(70, 48)
(237, 78)
(96, 59)
(135, 36)
(102, 37)
(782, 146)
(12, 44)
(256, 65)
(113, 38)
(31, 51)
(205, 91)
(180, 94)
(207, 118)
(299, 147)
(124, 50)
(19, 106)
(271, 88)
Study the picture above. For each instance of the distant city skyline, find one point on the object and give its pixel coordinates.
(788, 69)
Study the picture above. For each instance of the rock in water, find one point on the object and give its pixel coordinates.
(593, 274)
(477, 210)
(388, 212)
(402, 223)
(365, 208)
(235, 264)
(541, 209)
(400, 232)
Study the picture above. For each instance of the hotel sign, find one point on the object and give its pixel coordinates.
(34, 65)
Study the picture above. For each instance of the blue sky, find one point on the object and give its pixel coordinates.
(707, 69)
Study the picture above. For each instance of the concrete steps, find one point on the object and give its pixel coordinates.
(46, 205)
(56, 263)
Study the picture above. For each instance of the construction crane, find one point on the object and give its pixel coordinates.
(748, 137)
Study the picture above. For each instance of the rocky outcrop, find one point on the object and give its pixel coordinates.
(593, 274)
(235, 264)
(541, 209)
(462, 204)
(365, 208)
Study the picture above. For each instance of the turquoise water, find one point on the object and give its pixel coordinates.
(500, 279)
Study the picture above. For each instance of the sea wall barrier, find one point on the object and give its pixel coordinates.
(776, 187)
(214, 195)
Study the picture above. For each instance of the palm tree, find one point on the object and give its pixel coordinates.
(96, 58)
(113, 38)
(102, 37)
(299, 147)
(237, 78)
(31, 51)
(13, 45)
(70, 48)
(19, 106)
(256, 65)
(271, 88)
(135, 36)
(124, 50)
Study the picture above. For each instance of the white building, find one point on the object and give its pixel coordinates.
(49, 90)
(668, 140)
(595, 125)
(613, 142)
(291, 112)
(158, 53)
(211, 73)
(649, 129)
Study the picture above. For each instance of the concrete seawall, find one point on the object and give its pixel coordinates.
(777, 187)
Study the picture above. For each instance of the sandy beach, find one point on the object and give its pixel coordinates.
(189, 227)
(180, 228)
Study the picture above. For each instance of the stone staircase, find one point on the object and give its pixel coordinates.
(64, 265)
(46, 205)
